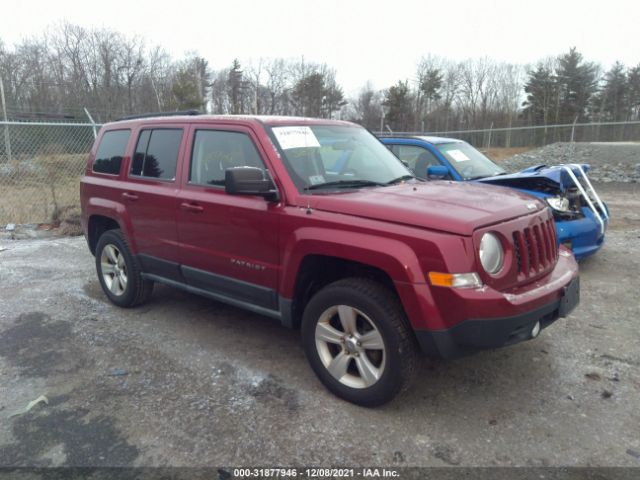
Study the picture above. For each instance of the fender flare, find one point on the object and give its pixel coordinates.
(117, 212)
(391, 256)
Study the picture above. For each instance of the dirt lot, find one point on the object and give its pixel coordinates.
(188, 381)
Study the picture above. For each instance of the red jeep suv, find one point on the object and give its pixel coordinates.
(316, 224)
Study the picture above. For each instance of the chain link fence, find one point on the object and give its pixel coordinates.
(538, 136)
(40, 168)
(41, 162)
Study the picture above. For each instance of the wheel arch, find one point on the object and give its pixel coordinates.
(103, 215)
(96, 226)
(317, 257)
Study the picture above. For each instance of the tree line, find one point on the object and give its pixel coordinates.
(69, 68)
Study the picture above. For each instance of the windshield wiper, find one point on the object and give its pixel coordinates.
(400, 179)
(345, 184)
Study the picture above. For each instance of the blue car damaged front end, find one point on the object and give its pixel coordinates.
(581, 217)
(580, 225)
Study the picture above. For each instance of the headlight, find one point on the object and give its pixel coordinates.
(559, 203)
(491, 253)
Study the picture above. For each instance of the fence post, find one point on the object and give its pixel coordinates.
(7, 140)
(489, 136)
(573, 128)
(93, 124)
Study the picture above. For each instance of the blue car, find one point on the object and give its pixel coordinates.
(581, 217)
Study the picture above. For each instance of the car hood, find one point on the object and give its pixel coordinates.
(453, 207)
(549, 180)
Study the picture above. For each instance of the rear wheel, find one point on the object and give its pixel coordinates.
(358, 342)
(119, 272)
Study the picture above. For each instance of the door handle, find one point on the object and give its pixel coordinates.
(130, 196)
(191, 207)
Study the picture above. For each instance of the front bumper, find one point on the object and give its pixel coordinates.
(583, 236)
(477, 334)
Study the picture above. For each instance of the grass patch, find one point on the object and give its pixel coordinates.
(38, 190)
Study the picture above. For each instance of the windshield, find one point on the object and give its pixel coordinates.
(468, 161)
(323, 157)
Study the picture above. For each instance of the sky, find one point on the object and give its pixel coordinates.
(377, 41)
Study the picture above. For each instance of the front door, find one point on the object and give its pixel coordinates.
(228, 243)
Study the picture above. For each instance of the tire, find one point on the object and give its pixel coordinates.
(380, 323)
(125, 287)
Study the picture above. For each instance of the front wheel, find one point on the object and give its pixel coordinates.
(357, 339)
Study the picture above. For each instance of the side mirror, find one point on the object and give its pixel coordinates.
(249, 181)
(437, 171)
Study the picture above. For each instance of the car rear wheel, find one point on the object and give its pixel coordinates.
(119, 272)
(358, 342)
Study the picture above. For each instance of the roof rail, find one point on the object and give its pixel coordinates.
(160, 114)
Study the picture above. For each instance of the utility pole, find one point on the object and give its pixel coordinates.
(7, 140)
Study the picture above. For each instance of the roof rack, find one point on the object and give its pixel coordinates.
(160, 114)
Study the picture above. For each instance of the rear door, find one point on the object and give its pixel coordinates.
(228, 243)
(151, 196)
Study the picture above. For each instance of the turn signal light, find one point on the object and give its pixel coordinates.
(455, 280)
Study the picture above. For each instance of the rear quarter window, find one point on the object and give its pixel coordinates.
(111, 150)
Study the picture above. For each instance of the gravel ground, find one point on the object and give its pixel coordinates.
(187, 381)
(610, 162)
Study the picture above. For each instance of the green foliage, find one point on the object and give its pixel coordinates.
(613, 99)
(317, 95)
(633, 85)
(398, 100)
(542, 93)
(190, 83)
(236, 86)
(561, 93)
(577, 82)
(430, 84)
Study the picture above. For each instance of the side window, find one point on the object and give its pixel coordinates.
(141, 149)
(156, 153)
(214, 151)
(418, 158)
(111, 151)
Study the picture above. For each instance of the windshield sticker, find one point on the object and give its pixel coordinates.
(316, 179)
(295, 137)
(458, 155)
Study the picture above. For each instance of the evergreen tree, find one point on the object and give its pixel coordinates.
(398, 101)
(429, 87)
(577, 82)
(542, 90)
(190, 84)
(308, 94)
(613, 101)
(317, 94)
(186, 91)
(333, 98)
(633, 82)
(236, 86)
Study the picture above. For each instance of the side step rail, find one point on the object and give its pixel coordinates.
(568, 169)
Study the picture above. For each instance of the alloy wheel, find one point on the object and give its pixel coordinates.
(350, 346)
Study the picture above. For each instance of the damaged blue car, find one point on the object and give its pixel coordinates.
(580, 215)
